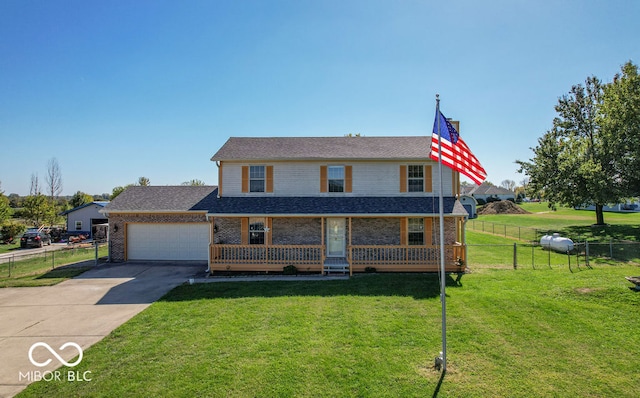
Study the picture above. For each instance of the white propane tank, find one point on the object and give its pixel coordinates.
(556, 243)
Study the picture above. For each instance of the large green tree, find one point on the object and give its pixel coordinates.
(38, 209)
(620, 120)
(573, 163)
(5, 209)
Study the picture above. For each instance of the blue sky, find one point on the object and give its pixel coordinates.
(116, 90)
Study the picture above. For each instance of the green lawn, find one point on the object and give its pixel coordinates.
(520, 333)
(491, 251)
(6, 248)
(573, 223)
(49, 268)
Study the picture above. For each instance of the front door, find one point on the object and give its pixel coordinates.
(336, 237)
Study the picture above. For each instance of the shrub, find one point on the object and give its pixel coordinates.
(370, 269)
(290, 270)
(9, 231)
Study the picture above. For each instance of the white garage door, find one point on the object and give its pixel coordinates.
(188, 241)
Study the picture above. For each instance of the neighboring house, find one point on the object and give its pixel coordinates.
(320, 204)
(485, 191)
(469, 203)
(630, 206)
(87, 220)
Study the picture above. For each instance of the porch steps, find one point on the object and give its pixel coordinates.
(334, 266)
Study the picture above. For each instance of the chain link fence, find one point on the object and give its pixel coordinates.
(533, 255)
(507, 231)
(28, 262)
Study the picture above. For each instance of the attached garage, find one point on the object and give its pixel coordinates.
(160, 241)
(161, 223)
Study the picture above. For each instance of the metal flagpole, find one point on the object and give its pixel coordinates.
(442, 252)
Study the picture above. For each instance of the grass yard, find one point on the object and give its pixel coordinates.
(490, 251)
(570, 222)
(520, 333)
(9, 247)
(50, 268)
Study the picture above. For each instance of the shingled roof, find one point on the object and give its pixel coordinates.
(485, 189)
(159, 199)
(163, 199)
(328, 205)
(325, 148)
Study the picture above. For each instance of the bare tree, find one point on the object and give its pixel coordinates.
(508, 184)
(54, 178)
(35, 185)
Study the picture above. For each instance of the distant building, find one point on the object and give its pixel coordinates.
(630, 206)
(486, 191)
(87, 220)
(469, 203)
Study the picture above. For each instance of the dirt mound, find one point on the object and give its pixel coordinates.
(502, 207)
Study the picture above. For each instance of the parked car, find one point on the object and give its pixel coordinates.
(35, 239)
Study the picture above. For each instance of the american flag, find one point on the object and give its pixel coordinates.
(455, 153)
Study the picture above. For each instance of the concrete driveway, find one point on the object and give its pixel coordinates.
(81, 311)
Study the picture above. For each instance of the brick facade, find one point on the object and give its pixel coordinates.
(308, 231)
(375, 231)
(285, 231)
(296, 231)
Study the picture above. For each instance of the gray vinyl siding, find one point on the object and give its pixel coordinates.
(85, 215)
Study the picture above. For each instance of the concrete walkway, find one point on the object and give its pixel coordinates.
(82, 310)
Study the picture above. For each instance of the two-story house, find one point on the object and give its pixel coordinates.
(321, 204)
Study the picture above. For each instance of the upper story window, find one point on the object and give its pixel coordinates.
(415, 178)
(336, 178)
(257, 178)
(416, 231)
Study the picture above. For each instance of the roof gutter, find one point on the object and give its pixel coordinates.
(329, 215)
(105, 211)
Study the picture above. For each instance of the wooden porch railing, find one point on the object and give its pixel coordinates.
(267, 255)
(371, 255)
(272, 257)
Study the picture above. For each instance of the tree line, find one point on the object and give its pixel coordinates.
(44, 205)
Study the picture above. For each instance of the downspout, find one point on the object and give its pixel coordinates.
(106, 214)
(208, 270)
(464, 240)
(219, 165)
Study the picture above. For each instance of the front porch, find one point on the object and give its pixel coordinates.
(312, 258)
